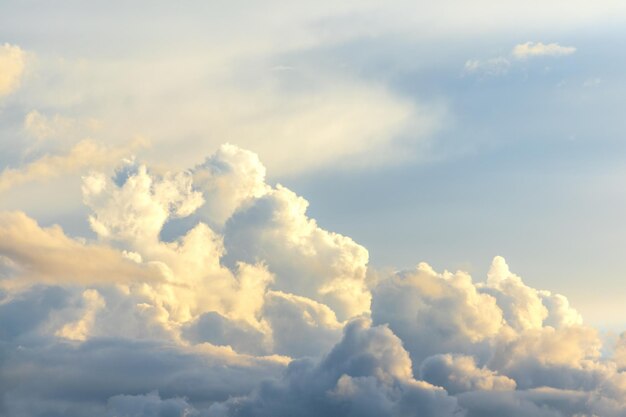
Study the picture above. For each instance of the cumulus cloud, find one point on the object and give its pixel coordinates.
(250, 308)
(229, 178)
(434, 313)
(243, 256)
(502, 322)
(532, 49)
(309, 261)
(12, 64)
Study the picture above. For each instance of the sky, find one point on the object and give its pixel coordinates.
(310, 208)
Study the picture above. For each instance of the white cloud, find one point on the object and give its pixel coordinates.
(228, 179)
(222, 276)
(306, 259)
(12, 64)
(532, 49)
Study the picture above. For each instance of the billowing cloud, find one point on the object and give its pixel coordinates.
(209, 292)
(12, 64)
(306, 259)
(532, 49)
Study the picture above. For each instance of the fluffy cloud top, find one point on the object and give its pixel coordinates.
(12, 63)
(249, 308)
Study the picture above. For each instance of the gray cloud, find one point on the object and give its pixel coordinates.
(367, 373)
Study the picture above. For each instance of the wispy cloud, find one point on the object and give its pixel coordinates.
(533, 49)
(85, 154)
(492, 66)
(502, 64)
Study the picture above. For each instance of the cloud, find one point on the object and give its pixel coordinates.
(47, 255)
(460, 374)
(367, 373)
(501, 65)
(314, 322)
(238, 265)
(12, 64)
(250, 308)
(101, 373)
(80, 329)
(338, 120)
(533, 49)
(306, 259)
(489, 67)
(229, 178)
(436, 313)
(149, 405)
(502, 322)
(43, 127)
(335, 120)
(85, 154)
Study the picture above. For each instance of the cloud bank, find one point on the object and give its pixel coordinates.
(210, 292)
